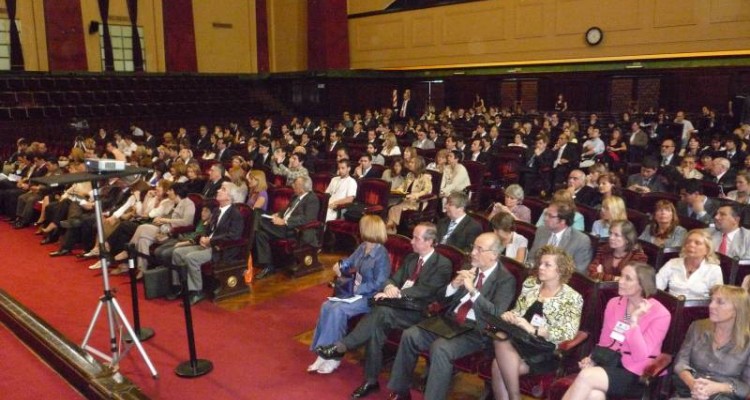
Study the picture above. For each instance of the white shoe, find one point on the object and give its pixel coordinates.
(314, 366)
(98, 265)
(329, 366)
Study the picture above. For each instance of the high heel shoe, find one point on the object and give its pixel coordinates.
(38, 223)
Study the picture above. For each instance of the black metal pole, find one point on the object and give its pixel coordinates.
(142, 333)
(193, 367)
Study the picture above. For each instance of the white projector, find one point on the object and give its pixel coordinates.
(100, 165)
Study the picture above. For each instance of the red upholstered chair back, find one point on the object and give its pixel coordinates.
(508, 166)
(639, 219)
(279, 198)
(476, 172)
(519, 271)
(536, 205)
(248, 230)
(482, 220)
(321, 181)
(373, 192)
(398, 247)
(458, 258)
(377, 170)
(198, 201)
(526, 230)
(648, 200)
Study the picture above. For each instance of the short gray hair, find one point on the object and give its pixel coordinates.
(307, 183)
(235, 192)
(515, 191)
(458, 199)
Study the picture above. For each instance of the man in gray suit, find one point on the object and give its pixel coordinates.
(729, 238)
(487, 288)
(557, 231)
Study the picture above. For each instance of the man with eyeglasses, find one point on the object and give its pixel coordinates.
(457, 229)
(668, 158)
(557, 231)
(486, 288)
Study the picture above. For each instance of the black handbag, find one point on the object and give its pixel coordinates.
(605, 357)
(533, 349)
(402, 303)
(343, 286)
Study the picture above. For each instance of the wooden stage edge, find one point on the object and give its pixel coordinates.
(91, 378)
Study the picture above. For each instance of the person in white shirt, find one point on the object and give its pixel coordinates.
(594, 146)
(687, 127)
(342, 188)
(455, 176)
(695, 272)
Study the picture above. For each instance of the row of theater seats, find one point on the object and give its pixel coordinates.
(595, 294)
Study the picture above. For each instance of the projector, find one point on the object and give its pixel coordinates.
(104, 165)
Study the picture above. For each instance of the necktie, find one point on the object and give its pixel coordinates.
(291, 208)
(724, 244)
(448, 233)
(553, 240)
(531, 161)
(463, 309)
(415, 275)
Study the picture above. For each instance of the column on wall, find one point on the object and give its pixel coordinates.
(66, 48)
(137, 52)
(261, 17)
(16, 52)
(327, 35)
(179, 36)
(109, 57)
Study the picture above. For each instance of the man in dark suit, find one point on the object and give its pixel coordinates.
(733, 152)
(333, 145)
(457, 229)
(565, 158)
(582, 193)
(9, 197)
(264, 157)
(421, 277)
(487, 288)
(215, 179)
(694, 204)
(668, 158)
(720, 173)
(364, 169)
(302, 209)
(475, 152)
(223, 152)
(226, 224)
(647, 181)
(537, 166)
(407, 108)
(203, 142)
(558, 231)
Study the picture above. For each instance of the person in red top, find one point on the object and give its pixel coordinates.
(620, 249)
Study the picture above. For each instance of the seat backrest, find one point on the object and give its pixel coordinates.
(373, 192)
(279, 198)
(639, 219)
(587, 288)
(675, 306)
(710, 189)
(482, 220)
(526, 230)
(691, 223)
(728, 267)
(536, 205)
(633, 200)
(248, 230)
(377, 170)
(519, 271)
(437, 177)
(651, 250)
(458, 258)
(198, 201)
(665, 254)
(742, 269)
(590, 214)
(398, 247)
(476, 171)
(648, 200)
(320, 181)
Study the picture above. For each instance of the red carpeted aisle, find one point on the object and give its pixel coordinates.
(254, 351)
(24, 376)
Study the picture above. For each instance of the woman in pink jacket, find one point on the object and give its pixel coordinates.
(634, 326)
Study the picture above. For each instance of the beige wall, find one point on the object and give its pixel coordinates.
(287, 35)
(149, 17)
(222, 49)
(504, 31)
(30, 15)
(363, 6)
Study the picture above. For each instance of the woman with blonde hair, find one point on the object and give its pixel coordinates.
(714, 359)
(369, 267)
(390, 146)
(258, 189)
(441, 160)
(613, 209)
(418, 183)
(695, 272)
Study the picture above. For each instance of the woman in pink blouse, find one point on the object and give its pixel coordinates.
(635, 326)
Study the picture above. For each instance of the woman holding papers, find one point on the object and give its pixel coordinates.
(370, 266)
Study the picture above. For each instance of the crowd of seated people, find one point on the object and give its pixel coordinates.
(706, 168)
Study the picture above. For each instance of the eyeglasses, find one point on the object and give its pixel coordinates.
(551, 216)
(479, 249)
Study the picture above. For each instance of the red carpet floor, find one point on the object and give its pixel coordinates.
(254, 351)
(35, 380)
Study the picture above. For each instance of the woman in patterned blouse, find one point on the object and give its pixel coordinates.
(548, 308)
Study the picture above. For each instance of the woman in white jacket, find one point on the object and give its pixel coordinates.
(455, 176)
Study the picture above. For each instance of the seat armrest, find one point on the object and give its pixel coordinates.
(427, 197)
(656, 368)
(310, 225)
(568, 345)
(374, 209)
(223, 245)
(178, 230)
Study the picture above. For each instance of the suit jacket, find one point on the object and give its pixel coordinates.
(463, 235)
(709, 207)
(726, 182)
(260, 162)
(570, 153)
(739, 247)
(655, 184)
(588, 196)
(737, 159)
(674, 162)
(225, 156)
(305, 212)
(482, 157)
(203, 143)
(576, 243)
(229, 227)
(495, 297)
(536, 163)
(435, 275)
(210, 188)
